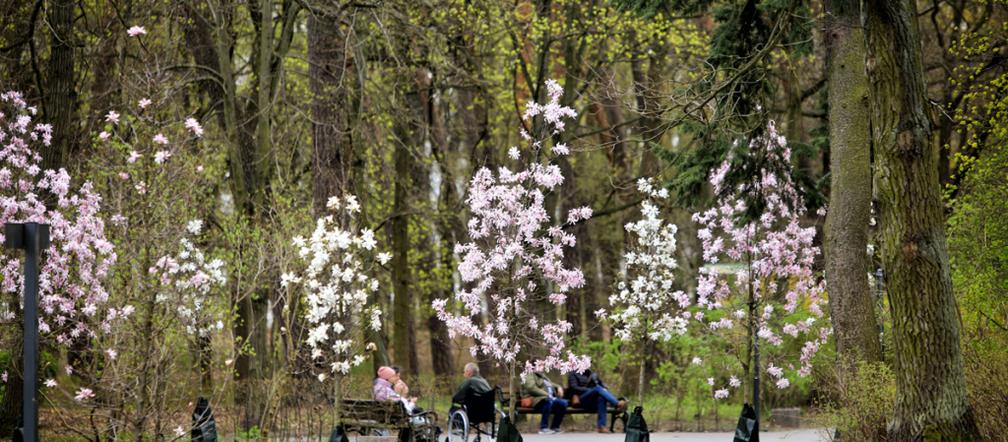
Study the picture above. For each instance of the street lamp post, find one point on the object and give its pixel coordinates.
(33, 238)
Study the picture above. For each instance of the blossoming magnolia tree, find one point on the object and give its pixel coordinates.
(515, 260)
(187, 279)
(73, 301)
(646, 308)
(337, 285)
(775, 295)
(149, 163)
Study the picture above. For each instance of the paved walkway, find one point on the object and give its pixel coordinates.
(773, 436)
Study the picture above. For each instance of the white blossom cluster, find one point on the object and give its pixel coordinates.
(336, 285)
(646, 305)
(186, 281)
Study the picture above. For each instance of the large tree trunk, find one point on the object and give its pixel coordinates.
(61, 98)
(440, 196)
(851, 307)
(403, 342)
(330, 79)
(931, 401)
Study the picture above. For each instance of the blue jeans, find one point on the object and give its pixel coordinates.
(555, 406)
(598, 398)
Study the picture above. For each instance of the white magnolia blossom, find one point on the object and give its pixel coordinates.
(186, 280)
(336, 285)
(646, 304)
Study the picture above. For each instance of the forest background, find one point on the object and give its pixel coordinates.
(399, 103)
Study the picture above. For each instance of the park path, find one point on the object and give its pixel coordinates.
(814, 435)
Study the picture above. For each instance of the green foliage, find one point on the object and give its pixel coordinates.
(650, 8)
(987, 378)
(860, 401)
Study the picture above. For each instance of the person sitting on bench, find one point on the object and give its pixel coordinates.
(591, 394)
(383, 388)
(546, 399)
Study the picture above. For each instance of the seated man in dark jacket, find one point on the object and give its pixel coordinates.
(473, 382)
(592, 394)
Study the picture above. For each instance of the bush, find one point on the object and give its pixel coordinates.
(861, 402)
(987, 379)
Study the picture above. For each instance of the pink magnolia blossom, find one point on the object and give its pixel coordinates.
(84, 394)
(161, 156)
(777, 254)
(194, 126)
(514, 247)
(73, 301)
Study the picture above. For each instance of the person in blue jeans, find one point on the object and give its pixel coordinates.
(546, 399)
(592, 394)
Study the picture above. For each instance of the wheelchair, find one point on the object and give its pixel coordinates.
(476, 418)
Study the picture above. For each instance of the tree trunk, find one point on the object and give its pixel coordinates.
(643, 369)
(441, 199)
(931, 400)
(332, 144)
(847, 266)
(61, 98)
(403, 342)
(13, 395)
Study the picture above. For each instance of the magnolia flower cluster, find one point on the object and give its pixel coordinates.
(646, 305)
(187, 280)
(159, 148)
(336, 284)
(73, 301)
(515, 258)
(778, 256)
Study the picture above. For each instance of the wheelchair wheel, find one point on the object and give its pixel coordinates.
(458, 427)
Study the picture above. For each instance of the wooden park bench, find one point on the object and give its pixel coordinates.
(363, 416)
(613, 412)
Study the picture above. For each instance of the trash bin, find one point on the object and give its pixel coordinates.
(636, 427)
(748, 425)
(508, 432)
(204, 428)
(338, 435)
(19, 430)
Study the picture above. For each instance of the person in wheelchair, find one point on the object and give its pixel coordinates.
(473, 404)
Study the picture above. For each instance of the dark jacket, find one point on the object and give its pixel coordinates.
(579, 383)
(475, 384)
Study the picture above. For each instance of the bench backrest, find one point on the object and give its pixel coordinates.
(379, 411)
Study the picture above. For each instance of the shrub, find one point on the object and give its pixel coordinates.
(861, 401)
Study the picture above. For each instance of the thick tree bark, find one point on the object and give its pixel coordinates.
(931, 400)
(851, 306)
(403, 340)
(61, 98)
(329, 79)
